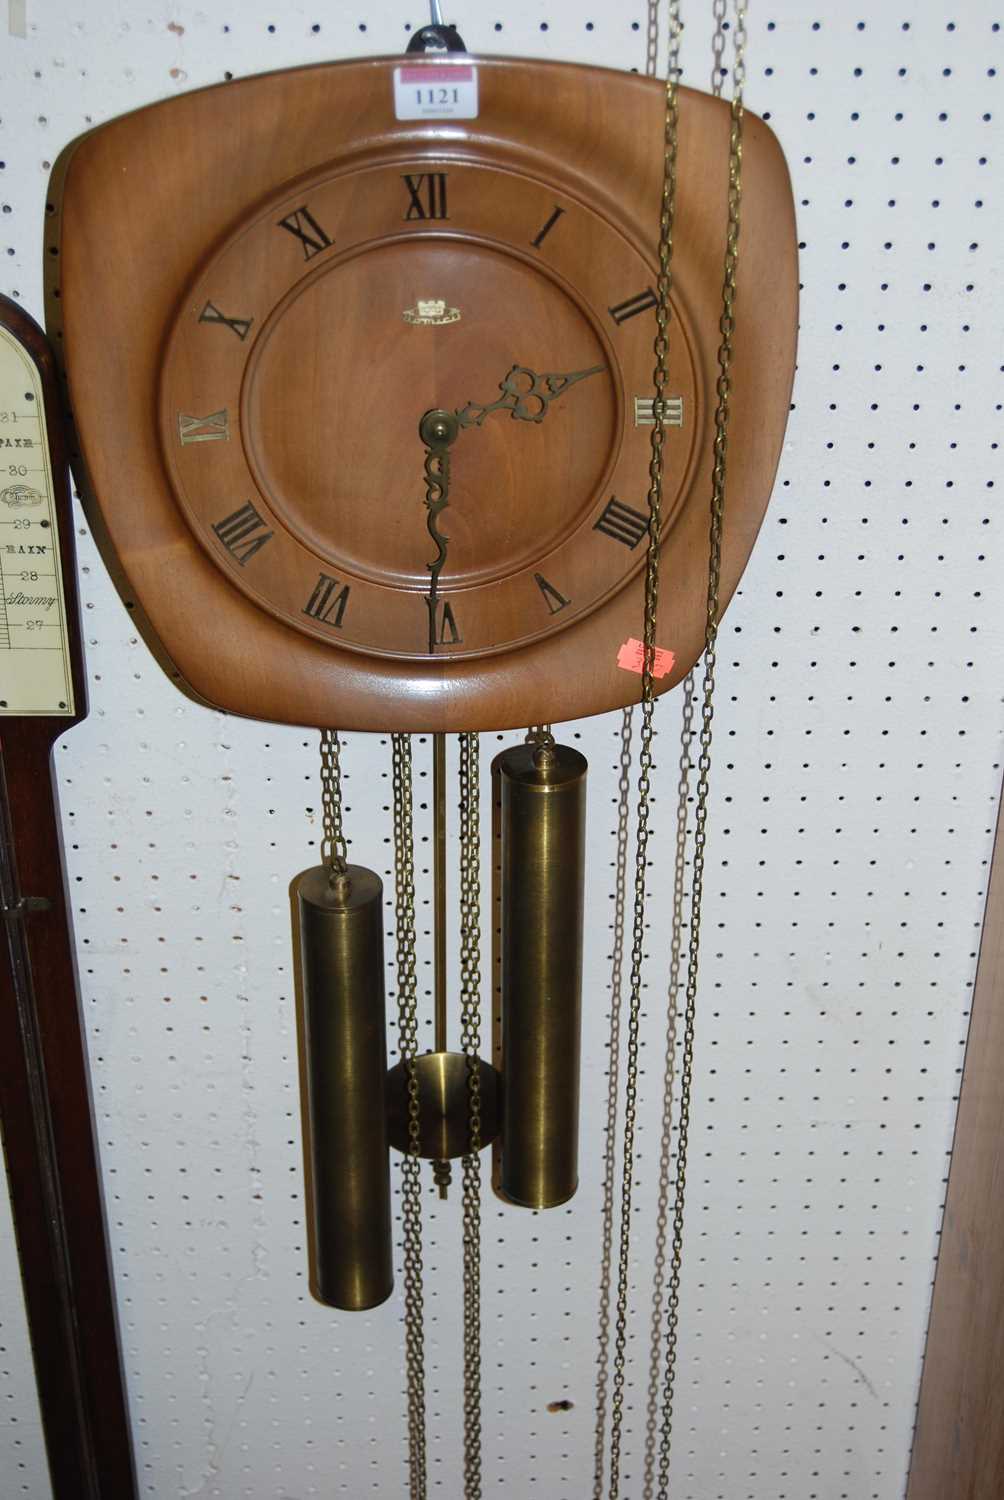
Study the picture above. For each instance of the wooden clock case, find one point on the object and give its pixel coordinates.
(151, 202)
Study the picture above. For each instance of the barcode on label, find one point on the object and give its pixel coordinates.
(436, 91)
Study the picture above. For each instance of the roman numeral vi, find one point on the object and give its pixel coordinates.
(443, 627)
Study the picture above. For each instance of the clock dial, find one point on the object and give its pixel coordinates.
(327, 274)
(303, 357)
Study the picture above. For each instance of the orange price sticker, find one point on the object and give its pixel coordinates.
(631, 658)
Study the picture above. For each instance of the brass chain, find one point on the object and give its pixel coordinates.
(719, 12)
(722, 412)
(470, 1041)
(668, 1087)
(645, 759)
(411, 1173)
(334, 851)
(613, 1093)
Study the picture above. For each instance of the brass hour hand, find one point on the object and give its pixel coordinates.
(525, 395)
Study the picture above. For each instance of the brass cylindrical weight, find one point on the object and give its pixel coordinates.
(341, 949)
(543, 806)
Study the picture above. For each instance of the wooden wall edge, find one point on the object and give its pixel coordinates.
(958, 1449)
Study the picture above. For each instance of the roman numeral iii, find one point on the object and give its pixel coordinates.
(240, 533)
(640, 303)
(327, 602)
(426, 196)
(644, 411)
(622, 523)
(304, 227)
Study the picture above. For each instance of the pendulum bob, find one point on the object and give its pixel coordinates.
(542, 792)
(443, 1104)
(341, 952)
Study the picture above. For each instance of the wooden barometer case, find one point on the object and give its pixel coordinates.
(268, 284)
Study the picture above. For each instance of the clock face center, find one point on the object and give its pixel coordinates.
(357, 353)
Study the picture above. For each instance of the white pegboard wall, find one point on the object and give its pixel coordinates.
(856, 776)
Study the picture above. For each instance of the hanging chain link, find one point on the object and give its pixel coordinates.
(613, 1093)
(652, 39)
(470, 1041)
(668, 1087)
(411, 1173)
(334, 850)
(645, 759)
(722, 412)
(719, 12)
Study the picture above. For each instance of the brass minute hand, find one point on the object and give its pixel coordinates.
(525, 395)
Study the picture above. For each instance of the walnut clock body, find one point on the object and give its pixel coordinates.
(292, 276)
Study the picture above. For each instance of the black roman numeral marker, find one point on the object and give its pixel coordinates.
(554, 601)
(633, 306)
(426, 195)
(304, 226)
(542, 236)
(211, 314)
(443, 627)
(327, 602)
(237, 533)
(622, 523)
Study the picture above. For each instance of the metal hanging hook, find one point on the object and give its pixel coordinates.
(438, 36)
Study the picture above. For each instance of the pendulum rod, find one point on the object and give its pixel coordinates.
(441, 1171)
(411, 1176)
(704, 757)
(645, 760)
(470, 1023)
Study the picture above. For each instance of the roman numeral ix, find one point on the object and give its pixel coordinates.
(622, 523)
(327, 602)
(212, 429)
(304, 227)
(238, 531)
(426, 195)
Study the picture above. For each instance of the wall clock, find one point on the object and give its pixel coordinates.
(361, 358)
(255, 329)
